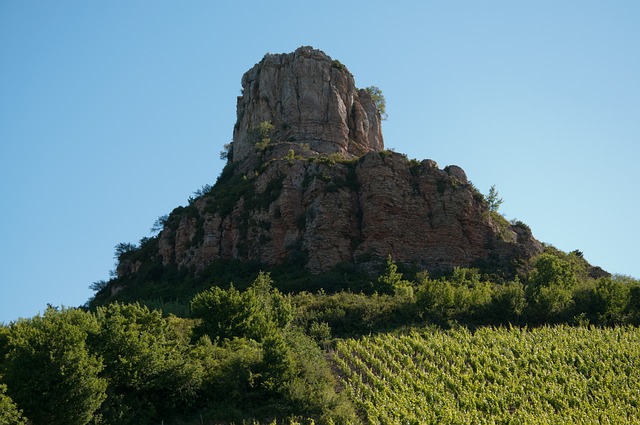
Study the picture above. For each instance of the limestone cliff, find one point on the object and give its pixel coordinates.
(308, 182)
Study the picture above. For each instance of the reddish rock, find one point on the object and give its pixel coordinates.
(324, 192)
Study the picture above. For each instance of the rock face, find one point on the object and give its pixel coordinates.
(313, 105)
(320, 214)
(309, 183)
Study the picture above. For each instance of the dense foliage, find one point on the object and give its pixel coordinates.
(239, 358)
(545, 375)
(47, 364)
(262, 350)
(10, 414)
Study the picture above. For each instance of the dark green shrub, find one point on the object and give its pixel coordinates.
(611, 300)
(509, 302)
(49, 370)
(255, 313)
(550, 288)
(146, 364)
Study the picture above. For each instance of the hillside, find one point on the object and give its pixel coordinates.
(309, 187)
(415, 351)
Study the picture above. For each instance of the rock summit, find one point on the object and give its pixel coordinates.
(308, 183)
(311, 104)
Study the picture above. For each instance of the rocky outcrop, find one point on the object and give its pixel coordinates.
(309, 183)
(312, 104)
(320, 213)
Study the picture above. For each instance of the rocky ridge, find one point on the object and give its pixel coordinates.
(308, 182)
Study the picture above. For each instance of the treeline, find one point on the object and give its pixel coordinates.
(237, 359)
(556, 288)
(256, 353)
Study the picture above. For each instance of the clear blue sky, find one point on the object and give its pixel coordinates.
(113, 113)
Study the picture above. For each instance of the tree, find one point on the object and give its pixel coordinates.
(222, 313)
(611, 300)
(550, 270)
(122, 249)
(509, 301)
(158, 225)
(378, 100)
(391, 282)
(10, 414)
(146, 363)
(99, 285)
(493, 199)
(227, 153)
(436, 298)
(49, 370)
(550, 286)
(275, 308)
(255, 313)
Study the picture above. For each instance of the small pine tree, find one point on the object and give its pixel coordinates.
(493, 199)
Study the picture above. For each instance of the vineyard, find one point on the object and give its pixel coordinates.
(548, 375)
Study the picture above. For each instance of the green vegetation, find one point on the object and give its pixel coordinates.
(49, 370)
(10, 414)
(257, 313)
(544, 375)
(378, 100)
(239, 358)
(262, 135)
(407, 347)
(337, 64)
(493, 199)
(146, 363)
(227, 153)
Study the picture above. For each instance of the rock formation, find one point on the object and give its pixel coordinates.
(308, 182)
(312, 104)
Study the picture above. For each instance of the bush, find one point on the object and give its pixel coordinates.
(349, 314)
(509, 302)
(311, 388)
(230, 373)
(261, 135)
(146, 363)
(436, 299)
(49, 371)
(550, 288)
(613, 298)
(462, 295)
(391, 282)
(256, 313)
